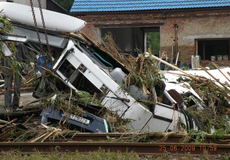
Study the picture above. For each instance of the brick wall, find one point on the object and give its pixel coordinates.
(192, 25)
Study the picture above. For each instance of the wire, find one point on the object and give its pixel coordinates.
(44, 27)
(95, 53)
(36, 26)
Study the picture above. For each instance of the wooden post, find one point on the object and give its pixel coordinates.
(174, 67)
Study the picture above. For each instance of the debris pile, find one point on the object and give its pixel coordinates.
(208, 101)
(83, 87)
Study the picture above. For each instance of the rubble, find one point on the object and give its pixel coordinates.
(206, 97)
(84, 87)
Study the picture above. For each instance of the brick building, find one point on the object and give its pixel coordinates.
(190, 27)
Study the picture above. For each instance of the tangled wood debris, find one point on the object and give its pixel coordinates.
(91, 87)
(211, 118)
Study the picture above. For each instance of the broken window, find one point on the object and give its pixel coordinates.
(76, 78)
(214, 50)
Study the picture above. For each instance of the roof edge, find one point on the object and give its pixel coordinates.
(150, 11)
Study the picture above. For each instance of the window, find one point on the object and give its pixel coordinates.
(214, 50)
(76, 78)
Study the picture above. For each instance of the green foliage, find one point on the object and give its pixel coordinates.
(100, 155)
(216, 100)
(14, 65)
(197, 136)
(6, 25)
(208, 119)
(85, 98)
(153, 42)
(144, 74)
(219, 133)
(211, 94)
(69, 103)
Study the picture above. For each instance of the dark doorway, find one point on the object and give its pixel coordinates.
(134, 40)
(214, 50)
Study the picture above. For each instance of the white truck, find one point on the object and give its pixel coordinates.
(81, 70)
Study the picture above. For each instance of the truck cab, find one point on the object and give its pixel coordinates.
(81, 70)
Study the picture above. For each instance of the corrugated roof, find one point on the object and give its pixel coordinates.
(137, 5)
